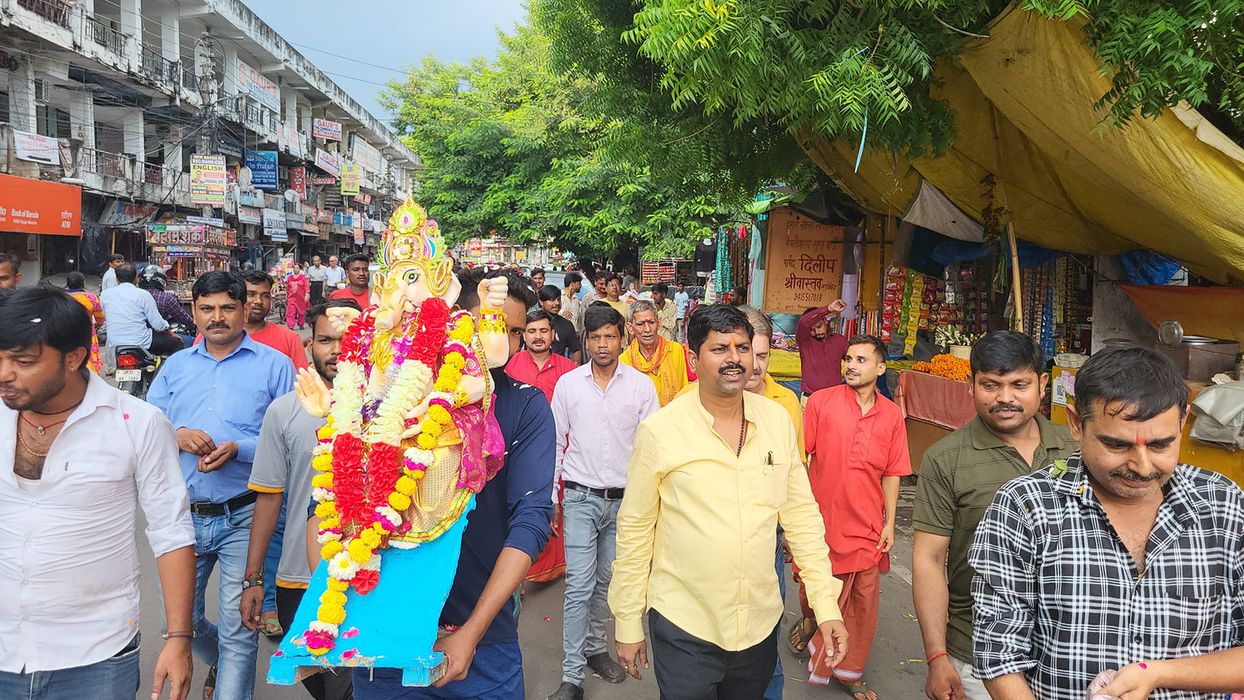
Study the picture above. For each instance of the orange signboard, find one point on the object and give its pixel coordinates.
(35, 206)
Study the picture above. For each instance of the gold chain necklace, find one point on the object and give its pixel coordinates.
(30, 450)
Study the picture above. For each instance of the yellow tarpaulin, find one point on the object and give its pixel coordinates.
(1023, 105)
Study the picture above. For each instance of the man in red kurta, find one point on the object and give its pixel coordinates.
(858, 446)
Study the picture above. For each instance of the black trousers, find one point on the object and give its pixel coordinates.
(317, 293)
(330, 684)
(689, 668)
(165, 344)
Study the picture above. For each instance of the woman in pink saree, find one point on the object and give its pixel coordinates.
(297, 298)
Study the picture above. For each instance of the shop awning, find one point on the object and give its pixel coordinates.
(36, 206)
(1215, 312)
(1023, 104)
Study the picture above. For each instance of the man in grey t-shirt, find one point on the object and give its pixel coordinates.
(282, 467)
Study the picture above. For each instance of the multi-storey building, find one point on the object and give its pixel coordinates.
(106, 102)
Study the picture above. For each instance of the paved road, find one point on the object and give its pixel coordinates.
(895, 670)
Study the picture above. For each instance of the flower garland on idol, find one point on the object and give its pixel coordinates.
(366, 480)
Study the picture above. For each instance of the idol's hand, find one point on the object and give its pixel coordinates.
(312, 392)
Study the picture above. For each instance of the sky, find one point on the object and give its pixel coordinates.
(388, 33)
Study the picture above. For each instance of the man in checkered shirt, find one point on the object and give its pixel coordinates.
(1117, 558)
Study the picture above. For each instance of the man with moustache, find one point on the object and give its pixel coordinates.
(593, 449)
(79, 459)
(537, 364)
(857, 441)
(820, 350)
(282, 470)
(664, 361)
(216, 394)
(710, 478)
(565, 338)
(959, 476)
(1118, 557)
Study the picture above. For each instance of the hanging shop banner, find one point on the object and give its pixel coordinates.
(351, 176)
(359, 237)
(257, 86)
(328, 162)
(298, 181)
(363, 198)
(326, 129)
(274, 224)
(36, 148)
(803, 264)
(321, 180)
(35, 206)
(366, 155)
(208, 180)
(263, 169)
(250, 215)
(191, 234)
(123, 213)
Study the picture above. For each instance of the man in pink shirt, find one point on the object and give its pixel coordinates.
(597, 409)
(857, 441)
(538, 365)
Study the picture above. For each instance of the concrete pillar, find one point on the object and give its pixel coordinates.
(290, 99)
(170, 35)
(132, 24)
(172, 153)
(304, 117)
(135, 136)
(82, 117)
(230, 86)
(22, 106)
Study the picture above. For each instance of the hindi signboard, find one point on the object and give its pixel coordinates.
(328, 162)
(36, 148)
(803, 264)
(298, 181)
(326, 129)
(208, 180)
(263, 169)
(274, 225)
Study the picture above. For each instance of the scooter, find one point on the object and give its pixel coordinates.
(137, 367)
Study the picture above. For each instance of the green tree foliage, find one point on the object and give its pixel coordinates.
(507, 151)
(826, 68)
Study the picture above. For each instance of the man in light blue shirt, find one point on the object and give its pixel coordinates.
(134, 318)
(681, 301)
(215, 395)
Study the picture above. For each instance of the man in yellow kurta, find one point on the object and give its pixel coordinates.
(663, 360)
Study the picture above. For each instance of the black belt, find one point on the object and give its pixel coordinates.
(607, 494)
(210, 509)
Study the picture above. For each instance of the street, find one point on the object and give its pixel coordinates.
(895, 670)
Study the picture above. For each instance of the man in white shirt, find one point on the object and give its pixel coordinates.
(79, 458)
(597, 409)
(110, 275)
(134, 318)
(334, 275)
(317, 274)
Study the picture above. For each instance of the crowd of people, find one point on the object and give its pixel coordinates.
(650, 457)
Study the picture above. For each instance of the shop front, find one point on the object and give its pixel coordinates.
(40, 225)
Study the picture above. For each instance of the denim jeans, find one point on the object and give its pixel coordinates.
(111, 679)
(590, 525)
(272, 562)
(226, 643)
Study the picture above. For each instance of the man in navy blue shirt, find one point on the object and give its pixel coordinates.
(505, 533)
(215, 395)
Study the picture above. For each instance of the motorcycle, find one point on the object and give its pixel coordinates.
(137, 367)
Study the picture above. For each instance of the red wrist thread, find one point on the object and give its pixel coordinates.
(937, 656)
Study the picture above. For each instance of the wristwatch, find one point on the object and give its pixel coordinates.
(252, 580)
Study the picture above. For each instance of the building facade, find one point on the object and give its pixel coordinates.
(189, 133)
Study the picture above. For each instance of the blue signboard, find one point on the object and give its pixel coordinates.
(263, 169)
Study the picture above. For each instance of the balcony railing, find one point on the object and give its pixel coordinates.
(52, 10)
(189, 79)
(104, 34)
(105, 163)
(156, 66)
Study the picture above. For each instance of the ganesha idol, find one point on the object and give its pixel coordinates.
(409, 439)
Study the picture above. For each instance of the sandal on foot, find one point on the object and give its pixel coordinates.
(797, 639)
(858, 689)
(272, 627)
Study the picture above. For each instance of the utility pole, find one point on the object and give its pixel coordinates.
(209, 90)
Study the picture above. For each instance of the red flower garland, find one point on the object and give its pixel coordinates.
(348, 484)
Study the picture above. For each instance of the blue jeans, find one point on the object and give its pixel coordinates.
(774, 691)
(590, 532)
(226, 644)
(111, 679)
(272, 562)
(496, 674)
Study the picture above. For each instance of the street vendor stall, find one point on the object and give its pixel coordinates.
(186, 251)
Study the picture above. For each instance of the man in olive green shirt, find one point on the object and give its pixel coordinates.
(958, 479)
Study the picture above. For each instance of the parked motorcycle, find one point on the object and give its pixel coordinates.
(137, 367)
